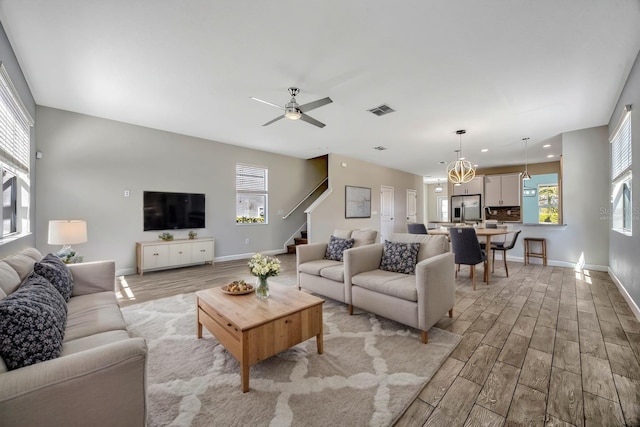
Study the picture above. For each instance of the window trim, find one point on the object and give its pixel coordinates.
(260, 191)
(621, 175)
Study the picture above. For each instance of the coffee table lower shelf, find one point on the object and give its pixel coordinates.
(253, 330)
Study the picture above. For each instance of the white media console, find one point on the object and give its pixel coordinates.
(158, 254)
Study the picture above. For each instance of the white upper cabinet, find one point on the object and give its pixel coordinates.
(502, 190)
(475, 186)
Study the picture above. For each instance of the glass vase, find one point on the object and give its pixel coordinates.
(262, 287)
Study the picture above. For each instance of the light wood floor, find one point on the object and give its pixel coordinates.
(546, 346)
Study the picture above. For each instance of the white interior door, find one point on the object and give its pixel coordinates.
(386, 212)
(412, 205)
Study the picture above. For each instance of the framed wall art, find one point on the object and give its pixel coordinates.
(357, 202)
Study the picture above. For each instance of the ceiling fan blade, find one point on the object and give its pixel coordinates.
(268, 103)
(311, 120)
(315, 104)
(275, 120)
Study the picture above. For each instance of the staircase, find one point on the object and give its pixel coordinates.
(302, 240)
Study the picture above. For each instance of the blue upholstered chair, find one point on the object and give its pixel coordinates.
(417, 229)
(504, 247)
(467, 251)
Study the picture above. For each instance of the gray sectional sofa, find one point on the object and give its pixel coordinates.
(418, 300)
(325, 276)
(99, 376)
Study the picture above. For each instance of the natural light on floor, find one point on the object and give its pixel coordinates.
(123, 291)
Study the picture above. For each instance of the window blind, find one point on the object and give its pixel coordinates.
(621, 147)
(251, 178)
(15, 121)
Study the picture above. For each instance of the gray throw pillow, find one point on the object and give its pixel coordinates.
(336, 247)
(57, 273)
(399, 257)
(32, 321)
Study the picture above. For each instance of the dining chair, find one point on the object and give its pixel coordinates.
(417, 229)
(504, 247)
(467, 251)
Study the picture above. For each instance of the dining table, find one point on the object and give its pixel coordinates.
(486, 232)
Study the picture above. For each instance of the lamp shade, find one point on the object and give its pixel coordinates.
(67, 232)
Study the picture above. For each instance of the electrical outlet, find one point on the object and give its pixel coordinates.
(246, 241)
(127, 193)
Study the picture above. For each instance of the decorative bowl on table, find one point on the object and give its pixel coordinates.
(237, 287)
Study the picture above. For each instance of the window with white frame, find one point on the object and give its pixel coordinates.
(15, 154)
(251, 194)
(621, 176)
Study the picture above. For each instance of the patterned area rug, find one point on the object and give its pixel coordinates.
(371, 370)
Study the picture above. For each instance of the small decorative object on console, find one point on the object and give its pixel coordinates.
(192, 235)
(262, 267)
(69, 256)
(166, 236)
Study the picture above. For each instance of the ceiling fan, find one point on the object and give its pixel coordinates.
(294, 111)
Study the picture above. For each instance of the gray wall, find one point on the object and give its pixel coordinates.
(329, 214)
(624, 254)
(89, 162)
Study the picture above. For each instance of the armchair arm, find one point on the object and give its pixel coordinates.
(310, 252)
(102, 386)
(361, 259)
(92, 277)
(435, 282)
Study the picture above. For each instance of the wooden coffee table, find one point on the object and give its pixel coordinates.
(252, 329)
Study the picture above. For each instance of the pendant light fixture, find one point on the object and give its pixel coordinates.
(525, 175)
(438, 188)
(461, 171)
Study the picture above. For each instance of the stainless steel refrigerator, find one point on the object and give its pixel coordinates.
(466, 208)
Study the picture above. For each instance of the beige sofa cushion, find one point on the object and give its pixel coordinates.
(89, 322)
(9, 279)
(398, 285)
(23, 261)
(343, 234)
(430, 245)
(332, 270)
(364, 237)
(92, 341)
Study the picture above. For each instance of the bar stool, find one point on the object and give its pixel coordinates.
(543, 250)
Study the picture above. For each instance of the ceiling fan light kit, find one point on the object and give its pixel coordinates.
(461, 171)
(294, 111)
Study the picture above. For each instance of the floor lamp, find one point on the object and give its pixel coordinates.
(67, 233)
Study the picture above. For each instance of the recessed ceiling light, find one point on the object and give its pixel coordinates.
(442, 162)
(546, 146)
(484, 150)
(550, 155)
(380, 148)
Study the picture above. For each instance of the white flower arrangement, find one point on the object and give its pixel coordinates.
(264, 266)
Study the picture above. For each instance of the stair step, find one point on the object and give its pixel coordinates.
(291, 249)
(300, 241)
(303, 234)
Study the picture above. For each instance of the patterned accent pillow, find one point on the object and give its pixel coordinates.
(57, 273)
(32, 321)
(399, 257)
(336, 247)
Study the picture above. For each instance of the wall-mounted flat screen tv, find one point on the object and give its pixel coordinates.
(173, 211)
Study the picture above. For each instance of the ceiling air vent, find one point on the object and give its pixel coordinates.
(380, 148)
(381, 110)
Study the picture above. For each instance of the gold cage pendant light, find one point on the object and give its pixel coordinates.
(461, 171)
(525, 175)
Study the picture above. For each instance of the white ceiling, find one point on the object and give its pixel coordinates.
(501, 69)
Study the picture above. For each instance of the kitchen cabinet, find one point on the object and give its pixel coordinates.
(502, 190)
(475, 186)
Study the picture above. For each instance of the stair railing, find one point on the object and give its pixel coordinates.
(305, 198)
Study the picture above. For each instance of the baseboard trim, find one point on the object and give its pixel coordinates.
(556, 263)
(632, 305)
